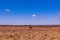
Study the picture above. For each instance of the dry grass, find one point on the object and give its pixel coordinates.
(29, 33)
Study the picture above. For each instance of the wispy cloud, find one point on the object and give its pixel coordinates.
(42, 17)
(59, 14)
(7, 10)
(57, 17)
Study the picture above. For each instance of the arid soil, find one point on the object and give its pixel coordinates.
(29, 33)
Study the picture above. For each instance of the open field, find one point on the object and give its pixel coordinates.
(27, 32)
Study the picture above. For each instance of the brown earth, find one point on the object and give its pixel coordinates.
(27, 32)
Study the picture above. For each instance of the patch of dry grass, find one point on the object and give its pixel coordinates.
(26, 33)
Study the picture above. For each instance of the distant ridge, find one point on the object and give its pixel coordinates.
(30, 25)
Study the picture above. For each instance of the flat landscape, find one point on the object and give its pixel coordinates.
(29, 32)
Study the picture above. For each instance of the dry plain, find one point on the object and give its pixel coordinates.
(29, 32)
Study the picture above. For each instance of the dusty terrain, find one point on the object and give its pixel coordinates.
(29, 32)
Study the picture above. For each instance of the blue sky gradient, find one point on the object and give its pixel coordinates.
(30, 12)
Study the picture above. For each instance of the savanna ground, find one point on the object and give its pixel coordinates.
(29, 32)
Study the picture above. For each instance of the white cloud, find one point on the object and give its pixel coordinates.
(33, 15)
(7, 10)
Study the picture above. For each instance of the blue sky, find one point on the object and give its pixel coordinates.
(30, 12)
